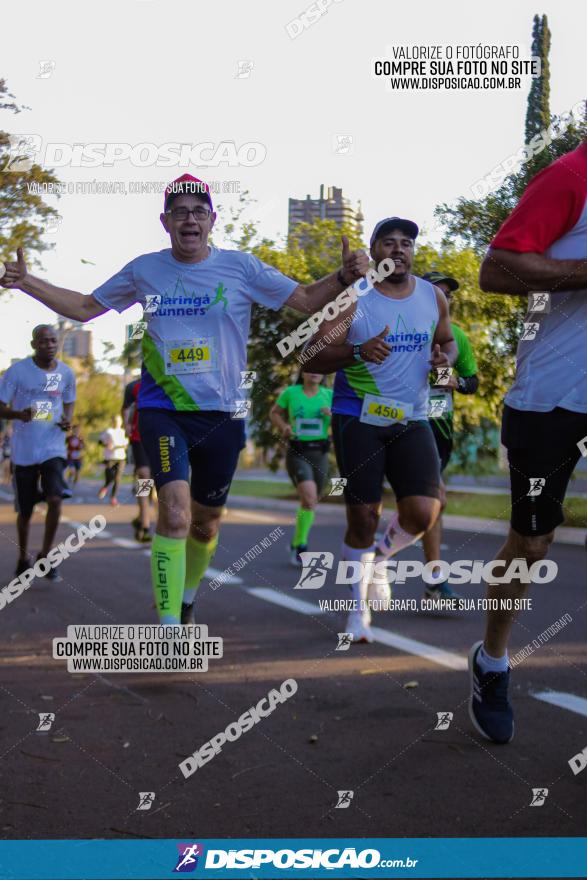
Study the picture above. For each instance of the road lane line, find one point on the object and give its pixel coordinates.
(563, 701)
(270, 595)
(212, 573)
(383, 636)
(421, 649)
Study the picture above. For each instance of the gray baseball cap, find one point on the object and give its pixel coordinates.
(407, 226)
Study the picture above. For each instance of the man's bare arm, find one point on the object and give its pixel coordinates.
(443, 334)
(6, 412)
(67, 417)
(510, 272)
(310, 298)
(69, 303)
(329, 351)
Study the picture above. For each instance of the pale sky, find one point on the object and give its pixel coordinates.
(148, 71)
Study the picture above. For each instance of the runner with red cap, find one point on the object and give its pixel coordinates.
(197, 302)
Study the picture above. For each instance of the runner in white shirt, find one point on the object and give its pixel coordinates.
(115, 442)
(197, 301)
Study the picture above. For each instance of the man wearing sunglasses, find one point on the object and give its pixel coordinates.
(197, 302)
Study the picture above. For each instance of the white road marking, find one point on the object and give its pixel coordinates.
(384, 636)
(126, 543)
(277, 598)
(563, 701)
(212, 573)
(421, 649)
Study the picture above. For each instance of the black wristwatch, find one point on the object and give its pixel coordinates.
(357, 351)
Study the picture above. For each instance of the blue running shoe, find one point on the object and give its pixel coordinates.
(294, 555)
(441, 591)
(489, 708)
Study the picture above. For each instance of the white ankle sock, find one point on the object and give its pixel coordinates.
(394, 539)
(359, 586)
(492, 664)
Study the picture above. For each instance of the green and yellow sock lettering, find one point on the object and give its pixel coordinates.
(168, 576)
(198, 555)
(304, 520)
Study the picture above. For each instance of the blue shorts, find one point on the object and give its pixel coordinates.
(208, 442)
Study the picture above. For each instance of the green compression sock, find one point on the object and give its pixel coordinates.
(168, 576)
(198, 557)
(304, 520)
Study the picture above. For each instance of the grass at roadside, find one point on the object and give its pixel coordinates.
(459, 503)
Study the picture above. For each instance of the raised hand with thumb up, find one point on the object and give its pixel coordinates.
(355, 264)
(14, 273)
(376, 350)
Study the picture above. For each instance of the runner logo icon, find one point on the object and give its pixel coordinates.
(539, 795)
(153, 301)
(146, 799)
(135, 331)
(313, 574)
(443, 375)
(189, 854)
(243, 407)
(144, 488)
(530, 330)
(247, 378)
(444, 719)
(537, 484)
(42, 410)
(345, 640)
(46, 68)
(344, 799)
(244, 69)
(46, 719)
(539, 301)
(52, 382)
(436, 408)
(338, 484)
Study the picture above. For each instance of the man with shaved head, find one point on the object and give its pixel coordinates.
(38, 395)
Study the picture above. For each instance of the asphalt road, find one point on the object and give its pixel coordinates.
(362, 720)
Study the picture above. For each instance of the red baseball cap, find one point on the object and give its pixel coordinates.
(187, 183)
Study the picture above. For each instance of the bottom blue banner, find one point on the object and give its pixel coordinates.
(551, 857)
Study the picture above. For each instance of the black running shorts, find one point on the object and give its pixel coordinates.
(139, 455)
(542, 446)
(405, 454)
(26, 484)
(207, 443)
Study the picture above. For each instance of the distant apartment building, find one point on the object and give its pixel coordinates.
(330, 206)
(74, 340)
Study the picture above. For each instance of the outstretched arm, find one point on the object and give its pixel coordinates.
(69, 303)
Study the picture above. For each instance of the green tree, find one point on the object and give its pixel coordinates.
(24, 216)
(312, 251)
(487, 321)
(473, 223)
(538, 109)
(98, 400)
